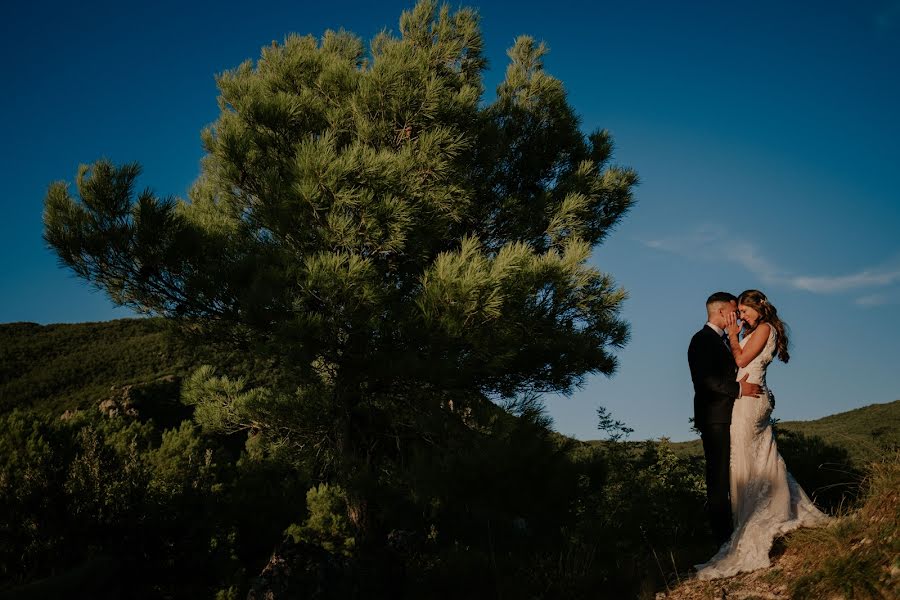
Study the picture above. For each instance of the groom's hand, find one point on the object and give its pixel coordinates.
(749, 389)
(732, 325)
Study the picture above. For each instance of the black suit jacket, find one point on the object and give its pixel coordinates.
(713, 372)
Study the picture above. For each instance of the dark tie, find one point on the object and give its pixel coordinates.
(725, 339)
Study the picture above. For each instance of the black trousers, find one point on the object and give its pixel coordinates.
(717, 448)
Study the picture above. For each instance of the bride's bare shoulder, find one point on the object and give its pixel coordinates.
(762, 329)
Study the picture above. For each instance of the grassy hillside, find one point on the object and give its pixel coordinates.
(865, 433)
(52, 368)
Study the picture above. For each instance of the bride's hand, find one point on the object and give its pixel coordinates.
(732, 326)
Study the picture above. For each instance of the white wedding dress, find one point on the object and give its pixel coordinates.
(766, 501)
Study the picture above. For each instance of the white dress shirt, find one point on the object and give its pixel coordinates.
(716, 328)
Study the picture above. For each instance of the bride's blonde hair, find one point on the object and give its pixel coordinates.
(756, 300)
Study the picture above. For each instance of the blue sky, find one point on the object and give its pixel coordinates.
(766, 136)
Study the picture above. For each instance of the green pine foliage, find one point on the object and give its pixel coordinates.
(369, 224)
(327, 525)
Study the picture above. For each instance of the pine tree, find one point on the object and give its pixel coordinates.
(391, 241)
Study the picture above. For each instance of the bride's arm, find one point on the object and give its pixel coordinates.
(744, 356)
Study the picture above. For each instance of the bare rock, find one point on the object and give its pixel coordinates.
(302, 570)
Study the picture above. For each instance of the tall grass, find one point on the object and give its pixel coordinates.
(858, 556)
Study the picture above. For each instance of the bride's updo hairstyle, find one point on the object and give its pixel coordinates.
(756, 300)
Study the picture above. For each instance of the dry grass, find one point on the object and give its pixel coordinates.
(855, 557)
(859, 556)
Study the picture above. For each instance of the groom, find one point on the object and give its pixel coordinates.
(713, 372)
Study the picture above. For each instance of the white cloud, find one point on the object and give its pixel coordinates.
(707, 242)
(873, 300)
(863, 279)
(748, 255)
(689, 243)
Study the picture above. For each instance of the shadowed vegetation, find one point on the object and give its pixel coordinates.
(507, 507)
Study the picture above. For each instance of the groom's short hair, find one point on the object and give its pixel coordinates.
(720, 297)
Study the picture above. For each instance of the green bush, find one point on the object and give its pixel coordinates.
(169, 507)
(328, 524)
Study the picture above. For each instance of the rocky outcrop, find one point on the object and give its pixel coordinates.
(301, 570)
(120, 404)
(158, 399)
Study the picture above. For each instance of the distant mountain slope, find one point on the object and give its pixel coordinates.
(63, 366)
(864, 433)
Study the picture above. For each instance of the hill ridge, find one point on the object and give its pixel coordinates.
(63, 366)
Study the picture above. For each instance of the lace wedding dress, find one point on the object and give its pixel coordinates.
(766, 501)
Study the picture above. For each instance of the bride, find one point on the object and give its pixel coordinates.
(766, 501)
